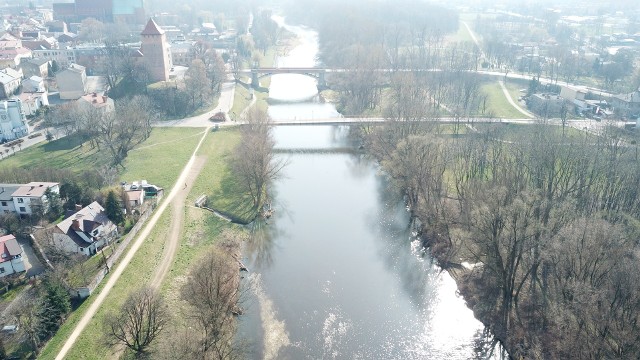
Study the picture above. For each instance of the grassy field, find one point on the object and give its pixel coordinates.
(199, 232)
(497, 103)
(159, 159)
(514, 132)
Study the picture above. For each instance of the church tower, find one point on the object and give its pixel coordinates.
(155, 49)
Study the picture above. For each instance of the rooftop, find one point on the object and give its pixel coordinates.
(152, 29)
(33, 189)
(9, 248)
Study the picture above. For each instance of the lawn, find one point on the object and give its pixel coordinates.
(68, 152)
(497, 103)
(168, 147)
(514, 132)
(160, 159)
(199, 232)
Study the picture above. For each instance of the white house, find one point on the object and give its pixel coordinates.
(6, 198)
(72, 82)
(13, 122)
(29, 197)
(32, 101)
(86, 231)
(9, 82)
(10, 256)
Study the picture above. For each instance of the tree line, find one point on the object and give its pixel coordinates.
(549, 220)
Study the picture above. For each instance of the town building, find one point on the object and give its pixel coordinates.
(63, 57)
(156, 51)
(546, 105)
(35, 67)
(12, 51)
(86, 231)
(118, 11)
(33, 101)
(13, 122)
(11, 261)
(31, 198)
(72, 82)
(9, 82)
(627, 105)
(97, 102)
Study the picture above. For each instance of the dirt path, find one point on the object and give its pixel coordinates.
(177, 222)
(513, 103)
(176, 191)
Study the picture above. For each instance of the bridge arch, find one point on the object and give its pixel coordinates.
(318, 74)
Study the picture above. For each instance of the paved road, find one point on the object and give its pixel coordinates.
(224, 105)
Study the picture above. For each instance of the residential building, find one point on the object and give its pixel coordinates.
(9, 83)
(31, 197)
(97, 102)
(156, 51)
(86, 231)
(10, 256)
(182, 53)
(13, 122)
(546, 105)
(33, 101)
(63, 57)
(33, 84)
(627, 104)
(72, 82)
(35, 67)
(12, 51)
(6, 198)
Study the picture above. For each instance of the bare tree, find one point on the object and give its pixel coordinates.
(213, 291)
(142, 317)
(128, 126)
(255, 164)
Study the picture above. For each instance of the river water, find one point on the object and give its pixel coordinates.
(336, 273)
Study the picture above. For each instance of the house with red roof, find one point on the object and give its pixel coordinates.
(11, 261)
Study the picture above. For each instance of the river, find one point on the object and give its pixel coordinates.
(336, 272)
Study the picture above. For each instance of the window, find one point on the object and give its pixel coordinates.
(4, 203)
(22, 209)
(20, 200)
(1, 270)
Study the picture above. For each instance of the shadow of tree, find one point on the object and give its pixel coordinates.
(232, 200)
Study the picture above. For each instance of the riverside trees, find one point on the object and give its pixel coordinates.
(254, 162)
(551, 221)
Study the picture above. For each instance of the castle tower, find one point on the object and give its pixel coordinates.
(155, 48)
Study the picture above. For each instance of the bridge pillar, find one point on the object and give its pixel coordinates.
(255, 79)
(322, 82)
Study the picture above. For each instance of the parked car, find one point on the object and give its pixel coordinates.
(218, 117)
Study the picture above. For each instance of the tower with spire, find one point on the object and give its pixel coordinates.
(156, 53)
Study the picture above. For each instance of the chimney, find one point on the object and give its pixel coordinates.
(104, 98)
(75, 224)
(78, 207)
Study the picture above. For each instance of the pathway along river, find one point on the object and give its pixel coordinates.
(336, 273)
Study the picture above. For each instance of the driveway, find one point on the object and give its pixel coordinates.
(31, 262)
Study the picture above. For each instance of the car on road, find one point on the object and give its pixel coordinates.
(218, 117)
